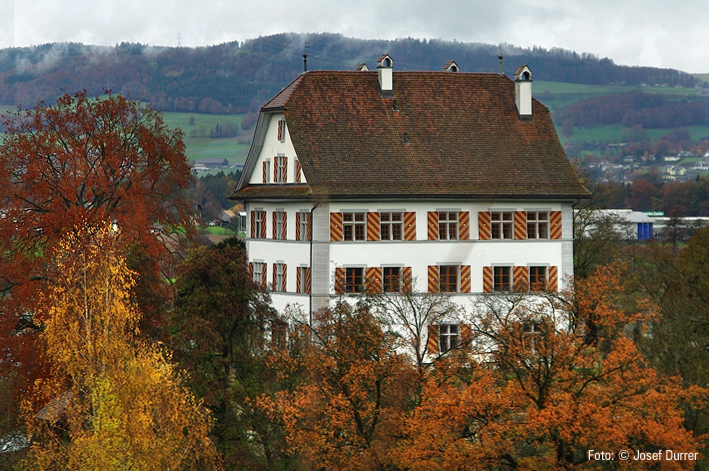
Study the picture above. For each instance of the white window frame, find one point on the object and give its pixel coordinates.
(279, 278)
(257, 277)
(387, 224)
(502, 223)
(352, 225)
(448, 220)
(537, 225)
(448, 337)
(304, 226)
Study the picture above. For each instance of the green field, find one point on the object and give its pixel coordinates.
(557, 95)
(198, 144)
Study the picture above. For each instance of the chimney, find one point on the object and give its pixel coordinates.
(386, 80)
(523, 92)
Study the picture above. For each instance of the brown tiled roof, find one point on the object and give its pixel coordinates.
(454, 134)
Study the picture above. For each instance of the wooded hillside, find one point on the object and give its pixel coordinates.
(239, 77)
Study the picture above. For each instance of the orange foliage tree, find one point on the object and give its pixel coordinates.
(111, 400)
(347, 390)
(83, 161)
(543, 382)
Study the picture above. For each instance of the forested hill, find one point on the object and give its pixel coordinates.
(240, 77)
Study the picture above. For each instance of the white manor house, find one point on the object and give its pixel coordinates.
(370, 179)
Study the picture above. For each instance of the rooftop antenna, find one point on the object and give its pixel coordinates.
(305, 56)
(500, 56)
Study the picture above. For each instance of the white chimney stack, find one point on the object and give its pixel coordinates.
(386, 76)
(523, 92)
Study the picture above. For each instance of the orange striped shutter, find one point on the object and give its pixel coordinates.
(373, 226)
(484, 225)
(310, 226)
(285, 169)
(275, 169)
(285, 225)
(273, 227)
(297, 225)
(265, 176)
(373, 280)
(280, 129)
(264, 275)
(464, 225)
(253, 225)
(298, 274)
(263, 224)
(284, 281)
(339, 280)
(251, 271)
(553, 283)
(487, 280)
(307, 280)
(274, 287)
(432, 345)
(465, 279)
(336, 227)
(298, 170)
(466, 333)
(520, 279)
(433, 225)
(410, 226)
(520, 225)
(555, 224)
(406, 280)
(434, 279)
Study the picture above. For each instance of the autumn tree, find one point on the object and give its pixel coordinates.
(84, 161)
(219, 330)
(349, 387)
(677, 279)
(545, 380)
(112, 401)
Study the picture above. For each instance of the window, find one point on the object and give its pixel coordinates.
(279, 277)
(258, 224)
(449, 278)
(267, 171)
(392, 279)
(279, 175)
(279, 225)
(447, 225)
(501, 224)
(353, 226)
(354, 280)
(392, 226)
(303, 280)
(537, 278)
(502, 278)
(449, 337)
(537, 225)
(303, 225)
(258, 275)
(282, 130)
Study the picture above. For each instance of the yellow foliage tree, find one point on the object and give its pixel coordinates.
(112, 401)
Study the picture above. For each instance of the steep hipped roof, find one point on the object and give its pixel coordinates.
(444, 135)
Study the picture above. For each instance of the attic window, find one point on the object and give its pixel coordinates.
(395, 106)
(406, 139)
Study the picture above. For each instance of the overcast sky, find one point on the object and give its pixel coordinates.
(660, 33)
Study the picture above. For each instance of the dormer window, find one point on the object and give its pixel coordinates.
(451, 66)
